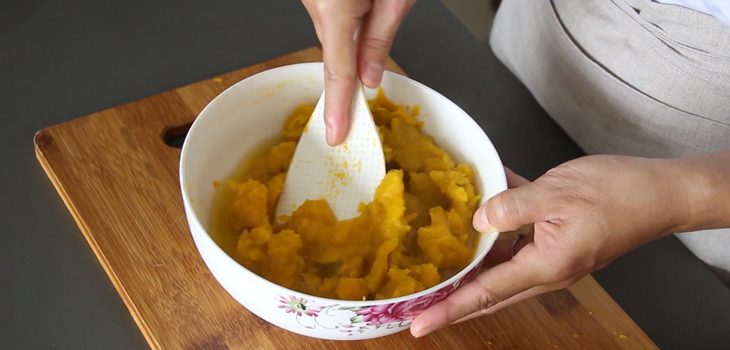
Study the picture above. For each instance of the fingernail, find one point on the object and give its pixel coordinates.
(330, 134)
(417, 333)
(480, 221)
(373, 74)
(329, 127)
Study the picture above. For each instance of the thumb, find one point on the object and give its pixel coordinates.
(511, 209)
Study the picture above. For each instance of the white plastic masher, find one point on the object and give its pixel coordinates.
(344, 175)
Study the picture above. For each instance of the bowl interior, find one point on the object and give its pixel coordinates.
(253, 111)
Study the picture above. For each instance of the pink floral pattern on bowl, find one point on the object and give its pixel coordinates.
(311, 315)
(299, 306)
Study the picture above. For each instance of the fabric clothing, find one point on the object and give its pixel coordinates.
(630, 77)
(719, 9)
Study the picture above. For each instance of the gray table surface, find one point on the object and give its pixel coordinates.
(63, 59)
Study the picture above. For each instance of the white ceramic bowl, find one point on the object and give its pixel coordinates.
(253, 111)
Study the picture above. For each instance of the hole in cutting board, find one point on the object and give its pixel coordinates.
(175, 136)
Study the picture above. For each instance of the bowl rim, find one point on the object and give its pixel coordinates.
(501, 183)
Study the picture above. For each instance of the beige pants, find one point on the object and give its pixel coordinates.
(628, 77)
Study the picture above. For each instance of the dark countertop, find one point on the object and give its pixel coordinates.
(63, 59)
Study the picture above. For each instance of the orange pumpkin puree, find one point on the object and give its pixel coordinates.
(416, 232)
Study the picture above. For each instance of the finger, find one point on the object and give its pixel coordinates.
(513, 179)
(311, 10)
(339, 50)
(516, 299)
(520, 297)
(513, 208)
(339, 23)
(490, 287)
(377, 37)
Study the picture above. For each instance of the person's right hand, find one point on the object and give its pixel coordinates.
(356, 37)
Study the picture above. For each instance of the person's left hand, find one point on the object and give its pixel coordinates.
(586, 213)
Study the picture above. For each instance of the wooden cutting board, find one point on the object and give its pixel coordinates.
(119, 179)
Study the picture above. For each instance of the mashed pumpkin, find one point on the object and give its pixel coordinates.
(416, 232)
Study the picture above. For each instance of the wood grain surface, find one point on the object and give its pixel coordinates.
(119, 180)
